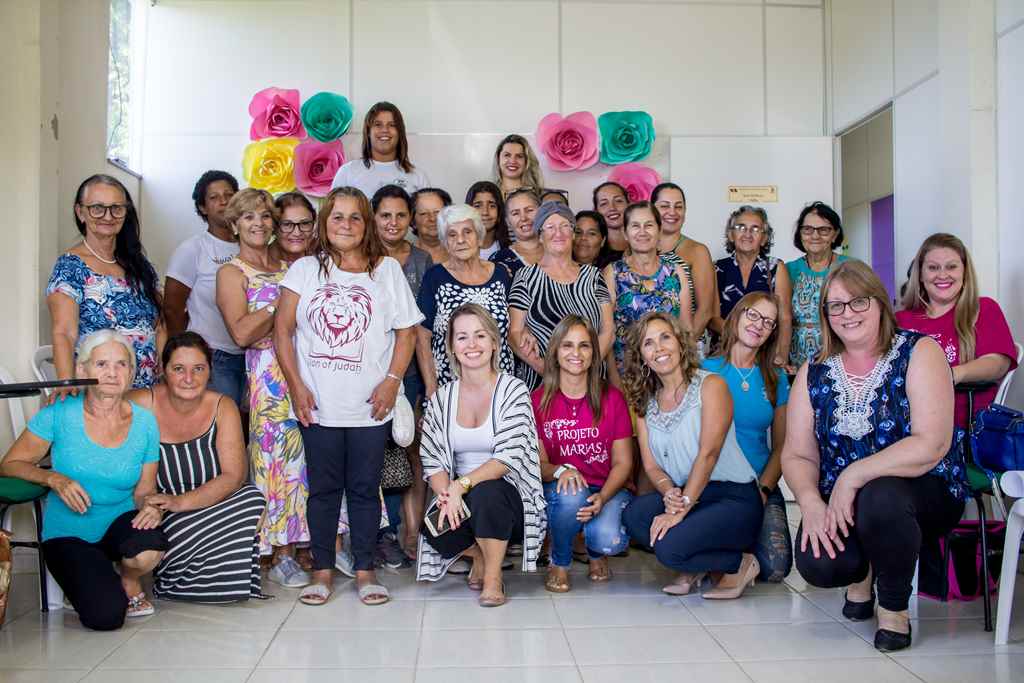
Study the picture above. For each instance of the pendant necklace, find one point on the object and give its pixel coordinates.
(744, 384)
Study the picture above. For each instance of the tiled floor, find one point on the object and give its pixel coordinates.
(625, 630)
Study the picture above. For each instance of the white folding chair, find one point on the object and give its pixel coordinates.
(42, 365)
(1001, 394)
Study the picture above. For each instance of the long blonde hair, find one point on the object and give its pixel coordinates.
(596, 384)
(638, 382)
(965, 316)
(490, 327)
(859, 280)
(765, 356)
(533, 178)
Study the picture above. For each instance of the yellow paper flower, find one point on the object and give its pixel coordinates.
(270, 164)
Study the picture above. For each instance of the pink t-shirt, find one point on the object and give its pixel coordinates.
(992, 335)
(570, 437)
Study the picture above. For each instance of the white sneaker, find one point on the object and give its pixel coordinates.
(345, 563)
(288, 573)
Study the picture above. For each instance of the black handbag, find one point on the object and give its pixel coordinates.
(397, 472)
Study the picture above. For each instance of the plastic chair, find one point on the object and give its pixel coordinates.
(42, 365)
(18, 492)
(1013, 485)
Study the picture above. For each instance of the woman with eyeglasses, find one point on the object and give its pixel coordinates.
(759, 393)
(105, 282)
(296, 231)
(819, 232)
(750, 268)
(870, 454)
(248, 287)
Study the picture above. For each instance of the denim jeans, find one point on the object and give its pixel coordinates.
(228, 376)
(774, 547)
(604, 534)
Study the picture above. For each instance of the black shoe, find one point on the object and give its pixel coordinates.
(891, 641)
(859, 611)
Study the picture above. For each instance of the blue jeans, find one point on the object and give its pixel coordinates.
(228, 376)
(774, 547)
(604, 534)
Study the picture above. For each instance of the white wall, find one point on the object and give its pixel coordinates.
(866, 175)
(706, 71)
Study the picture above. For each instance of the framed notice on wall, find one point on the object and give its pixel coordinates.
(753, 194)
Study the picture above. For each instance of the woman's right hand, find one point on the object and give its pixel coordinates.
(673, 500)
(528, 344)
(819, 527)
(70, 491)
(570, 481)
(303, 403)
(60, 394)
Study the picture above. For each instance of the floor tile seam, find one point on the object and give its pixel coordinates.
(277, 632)
(419, 639)
(905, 668)
(111, 653)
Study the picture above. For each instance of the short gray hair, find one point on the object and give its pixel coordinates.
(90, 342)
(457, 213)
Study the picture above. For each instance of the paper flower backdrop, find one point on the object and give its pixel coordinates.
(327, 116)
(275, 114)
(270, 164)
(316, 164)
(570, 143)
(625, 136)
(638, 180)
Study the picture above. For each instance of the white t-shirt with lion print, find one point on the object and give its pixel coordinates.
(344, 335)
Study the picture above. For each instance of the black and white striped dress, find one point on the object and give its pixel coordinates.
(546, 302)
(214, 552)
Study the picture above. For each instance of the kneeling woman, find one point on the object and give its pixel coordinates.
(479, 447)
(707, 511)
(105, 452)
(212, 515)
(868, 453)
(586, 456)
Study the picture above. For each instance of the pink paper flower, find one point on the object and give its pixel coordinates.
(638, 180)
(316, 164)
(570, 143)
(275, 114)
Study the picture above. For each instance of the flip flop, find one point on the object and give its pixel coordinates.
(315, 594)
(374, 594)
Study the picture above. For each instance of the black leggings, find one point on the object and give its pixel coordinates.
(344, 461)
(495, 511)
(86, 574)
(891, 516)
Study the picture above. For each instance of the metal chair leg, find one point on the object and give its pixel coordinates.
(986, 586)
(44, 601)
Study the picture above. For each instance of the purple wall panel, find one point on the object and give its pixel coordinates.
(883, 248)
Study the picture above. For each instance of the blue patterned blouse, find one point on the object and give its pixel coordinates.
(851, 426)
(108, 302)
(730, 280)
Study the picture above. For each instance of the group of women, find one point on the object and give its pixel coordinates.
(582, 380)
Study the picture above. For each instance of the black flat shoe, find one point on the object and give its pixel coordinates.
(891, 641)
(859, 611)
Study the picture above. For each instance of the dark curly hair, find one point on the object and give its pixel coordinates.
(203, 184)
(826, 213)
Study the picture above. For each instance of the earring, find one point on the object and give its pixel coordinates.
(646, 372)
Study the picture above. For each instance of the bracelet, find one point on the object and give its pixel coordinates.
(661, 480)
(394, 376)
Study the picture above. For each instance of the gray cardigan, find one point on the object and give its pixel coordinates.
(515, 436)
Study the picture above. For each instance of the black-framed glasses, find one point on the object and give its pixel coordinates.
(819, 230)
(100, 210)
(743, 228)
(857, 305)
(755, 316)
(305, 227)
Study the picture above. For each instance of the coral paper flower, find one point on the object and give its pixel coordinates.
(327, 116)
(638, 180)
(269, 164)
(275, 114)
(625, 136)
(316, 164)
(570, 143)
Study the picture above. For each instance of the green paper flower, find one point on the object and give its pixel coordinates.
(625, 136)
(326, 116)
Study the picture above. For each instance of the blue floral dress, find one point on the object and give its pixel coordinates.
(636, 295)
(108, 302)
(851, 425)
(730, 280)
(806, 304)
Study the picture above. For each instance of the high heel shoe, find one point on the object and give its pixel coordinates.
(683, 587)
(747, 575)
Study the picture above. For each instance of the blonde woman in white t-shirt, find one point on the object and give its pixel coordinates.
(344, 336)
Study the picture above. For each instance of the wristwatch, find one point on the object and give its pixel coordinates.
(465, 483)
(687, 503)
(562, 468)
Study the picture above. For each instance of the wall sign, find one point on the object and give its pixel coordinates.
(753, 194)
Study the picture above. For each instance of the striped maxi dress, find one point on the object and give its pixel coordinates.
(214, 551)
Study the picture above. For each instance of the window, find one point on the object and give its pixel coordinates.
(124, 81)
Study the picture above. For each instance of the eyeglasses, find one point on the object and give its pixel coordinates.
(288, 227)
(100, 210)
(744, 229)
(858, 305)
(756, 317)
(819, 230)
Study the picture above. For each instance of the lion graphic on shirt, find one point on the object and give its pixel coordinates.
(340, 316)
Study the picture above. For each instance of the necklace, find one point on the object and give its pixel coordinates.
(574, 404)
(744, 384)
(93, 252)
(831, 258)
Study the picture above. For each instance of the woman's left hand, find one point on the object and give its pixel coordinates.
(840, 503)
(662, 523)
(588, 512)
(452, 502)
(148, 517)
(382, 400)
(164, 502)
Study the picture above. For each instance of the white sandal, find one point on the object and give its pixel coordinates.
(315, 594)
(139, 606)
